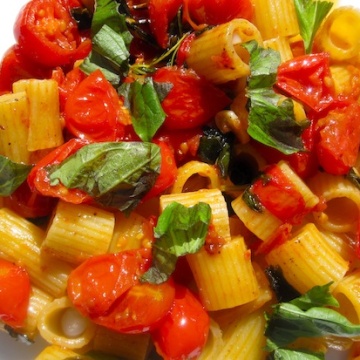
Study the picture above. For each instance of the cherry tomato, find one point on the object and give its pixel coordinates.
(67, 83)
(168, 171)
(279, 195)
(94, 110)
(38, 179)
(47, 34)
(15, 291)
(215, 12)
(95, 285)
(339, 142)
(14, 66)
(184, 331)
(308, 79)
(192, 101)
(30, 204)
(161, 13)
(140, 309)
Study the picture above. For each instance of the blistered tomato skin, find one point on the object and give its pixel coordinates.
(184, 331)
(47, 34)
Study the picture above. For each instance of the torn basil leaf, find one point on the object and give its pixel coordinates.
(271, 120)
(292, 354)
(115, 174)
(12, 175)
(180, 231)
(142, 99)
(310, 15)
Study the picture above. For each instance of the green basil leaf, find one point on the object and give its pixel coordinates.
(271, 121)
(303, 317)
(116, 174)
(12, 175)
(107, 12)
(144, 104)
(180, 231)
(310, 15)
(291, 354)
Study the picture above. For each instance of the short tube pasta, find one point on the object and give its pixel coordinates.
(218, 55)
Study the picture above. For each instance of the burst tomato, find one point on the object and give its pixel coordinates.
(183, 332)
(15, 291)
(47, 34)
(94, 110)
(192, 101)
(38, 179)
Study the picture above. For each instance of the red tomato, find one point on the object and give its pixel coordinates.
(94, 110)
(168, 171)
(277, 194)
(339, 141)
(184, 330)
(15, 291)
(14, 66)
(307, 78)
(184, 49)
(140, 309)
(161, 13)
(192, 101)
(47, 34)
(38, 179)
(215, 12)
(95, 285)
(30, 204)
(67, 83)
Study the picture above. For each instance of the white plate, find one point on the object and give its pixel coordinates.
(9, 348)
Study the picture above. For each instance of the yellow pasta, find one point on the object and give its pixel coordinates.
(218, 55)
(230, 269)
(307, 260)
(55, 352)
(78, 232)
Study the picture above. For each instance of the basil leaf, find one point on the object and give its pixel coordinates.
(310, 14)
(144, 104)
(291, 354)
(271, 121)
(180, 231)
(307, 317)
(12, 175)
(116, 174)
(106, 12)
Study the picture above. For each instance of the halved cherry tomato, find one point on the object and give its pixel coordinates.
(96, 284)
(94, 110)
(47, 34)
(168, 171)
(278, 195)
(14, 66)
(339, 142)
(38, 179)
(161, 13)
(140, 309)
(30, 204)
(15, 291)
(307, 78)
(215, 12)
(192, 101)
(184, 331)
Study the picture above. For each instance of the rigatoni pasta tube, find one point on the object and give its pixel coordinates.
(45, 129)
(275, 18)
(232, 272)
(55, 352)
(20, 242)
(308, 260)
(218, 54)
(78, 232)
(61, 324)
(14, 122)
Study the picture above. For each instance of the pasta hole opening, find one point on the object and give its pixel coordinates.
(342, 210)
(237, 41)
(346, 308)
(196, 182)
(343, 39)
